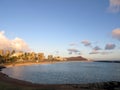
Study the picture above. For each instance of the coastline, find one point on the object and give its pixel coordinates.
(8, 83)
(39, 63)
(52, 62)
(28, 63)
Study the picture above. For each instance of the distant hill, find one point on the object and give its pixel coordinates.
(78, 58)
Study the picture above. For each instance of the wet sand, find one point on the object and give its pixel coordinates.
(7, 83)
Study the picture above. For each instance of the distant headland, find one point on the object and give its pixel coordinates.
(78, 58)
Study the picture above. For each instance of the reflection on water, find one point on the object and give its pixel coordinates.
(67, 72)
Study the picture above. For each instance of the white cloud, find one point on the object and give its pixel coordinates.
(114, 5)
(16, 44)
(116, 33)
(4, 41)
(19, 44)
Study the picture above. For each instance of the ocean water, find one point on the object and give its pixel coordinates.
(66, 72)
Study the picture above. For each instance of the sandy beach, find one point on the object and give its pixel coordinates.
(7, 83)
(28, 64)
(37, 63)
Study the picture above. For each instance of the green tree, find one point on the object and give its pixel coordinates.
(2, 60)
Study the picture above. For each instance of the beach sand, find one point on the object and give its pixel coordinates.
(28, 63)
(7, 83)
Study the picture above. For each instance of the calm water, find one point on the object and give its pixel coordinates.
(66, 72)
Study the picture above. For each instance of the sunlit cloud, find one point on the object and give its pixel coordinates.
(110, 46)
(116, 33)
(86, 43)
(4, 41)
(114, 6)
(17, 44)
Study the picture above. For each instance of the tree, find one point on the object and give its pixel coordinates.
(12, 52)
(13, 59)
(7, 55)
(2, 59)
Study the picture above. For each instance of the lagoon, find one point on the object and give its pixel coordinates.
(66, 72)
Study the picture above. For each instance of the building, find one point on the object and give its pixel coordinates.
(59, 58)
(17, 54)
(7, 53)
(33, 55)
(1, 52)
(50, 57)
(41, 56)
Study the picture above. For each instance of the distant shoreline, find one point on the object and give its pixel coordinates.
(108, 61)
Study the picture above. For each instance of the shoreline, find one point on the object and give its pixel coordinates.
(51, 62)
(38, 63)
(28, 64)
(7, 82)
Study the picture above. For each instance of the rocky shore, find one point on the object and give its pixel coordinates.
(7, 83)
(1, 67)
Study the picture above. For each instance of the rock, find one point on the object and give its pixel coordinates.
(1, 67)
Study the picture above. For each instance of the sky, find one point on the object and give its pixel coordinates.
(90, 28)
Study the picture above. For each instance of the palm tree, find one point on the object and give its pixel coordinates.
(41, 56)
(33, 55)
(13, 51)
(2, 59)
(25, 56)
(1, 52)
(7, 55)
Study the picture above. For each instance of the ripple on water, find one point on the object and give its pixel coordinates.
(66, 72)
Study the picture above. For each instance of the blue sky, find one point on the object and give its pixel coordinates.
(50, 26)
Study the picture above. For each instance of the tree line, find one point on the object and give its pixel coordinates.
(7, 56)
